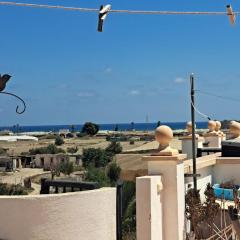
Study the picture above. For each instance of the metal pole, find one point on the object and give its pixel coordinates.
(193, 132)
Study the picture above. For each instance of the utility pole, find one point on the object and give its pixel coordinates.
(193, 132)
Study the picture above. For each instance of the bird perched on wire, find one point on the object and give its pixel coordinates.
(3, 80)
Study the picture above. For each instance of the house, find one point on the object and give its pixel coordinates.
(7, 164)
(50, 161)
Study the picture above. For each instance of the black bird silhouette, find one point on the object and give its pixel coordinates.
(3, 80)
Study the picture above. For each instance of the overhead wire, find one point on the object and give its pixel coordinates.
(33, 5)
(218, 96)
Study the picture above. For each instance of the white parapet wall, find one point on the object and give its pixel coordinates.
(87, 215)
(149, 208)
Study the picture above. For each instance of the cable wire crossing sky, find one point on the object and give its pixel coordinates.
(69, 73)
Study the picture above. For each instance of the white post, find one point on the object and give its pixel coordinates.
(187, 145)
(171, 168)
(149, 208)
(214, 141)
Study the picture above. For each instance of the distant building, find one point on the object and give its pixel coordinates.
(50, 161)
(7, 164)
(64, 132)
(17, 138)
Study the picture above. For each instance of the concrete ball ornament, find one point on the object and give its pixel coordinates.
(163, 135)
(218, 126)
(235, 129)
(212, 125)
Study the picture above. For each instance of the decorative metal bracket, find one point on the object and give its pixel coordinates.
(188, 175)
(17, 108)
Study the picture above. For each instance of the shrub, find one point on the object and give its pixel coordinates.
(59, 141)
(66, 168)
(72, 150)
(79, 135)
(50, 149)
(113, 172)
(11, 189)
(69, 135)
(97, 175)
(96, 157)
(90, 128)
(114, 148)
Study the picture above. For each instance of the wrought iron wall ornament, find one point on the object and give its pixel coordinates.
(3, 81)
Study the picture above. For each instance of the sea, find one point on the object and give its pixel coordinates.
(109, 127)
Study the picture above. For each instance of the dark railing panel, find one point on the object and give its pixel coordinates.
(119, 209)
(207, 150)
(73, 185)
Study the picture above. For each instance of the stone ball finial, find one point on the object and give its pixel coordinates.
(235, 129)
(189, 127)
(218, 126)
(163, 135)
(211, 125)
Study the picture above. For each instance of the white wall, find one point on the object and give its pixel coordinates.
(227, 172)
(88, 215)
(202, 181)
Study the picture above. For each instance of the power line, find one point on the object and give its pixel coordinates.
(219, 96)
(200, 113)
(112, 10)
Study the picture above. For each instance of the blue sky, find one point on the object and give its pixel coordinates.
(69, 73)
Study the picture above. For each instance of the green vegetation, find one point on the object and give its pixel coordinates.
(59, 140)
(113, 173)
(11, 189)
(72, 150)
(90, 128)
(129, 210)
(97, 175)
(80, 135)
(114, 148)
(96, 157)
(50, 149)
(66, 168)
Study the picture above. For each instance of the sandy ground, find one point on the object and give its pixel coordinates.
(16, 148)
(95, 142)
(18, 176)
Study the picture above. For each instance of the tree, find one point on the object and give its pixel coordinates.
(90, 128)
(113, 172)
(72, 150)
(114, 148)
(66, 168)
(59, 141)
(96, 157)
(97, 175)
